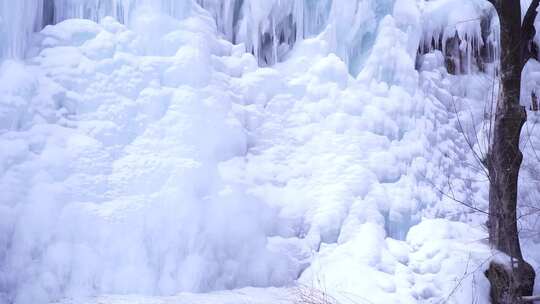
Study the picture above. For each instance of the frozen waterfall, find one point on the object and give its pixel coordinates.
(157, 147)
(268, 29)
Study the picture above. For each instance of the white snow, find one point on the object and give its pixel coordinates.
(147, 159)
(245, 295)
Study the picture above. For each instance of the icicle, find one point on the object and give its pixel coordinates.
(467, 42)
(269, 29)
(119, 9)
(18, 20)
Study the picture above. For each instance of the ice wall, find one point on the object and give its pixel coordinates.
(271, 29)
(466, 32)
(268, 29)
(19, 19)
(121, 10)
(17, 22)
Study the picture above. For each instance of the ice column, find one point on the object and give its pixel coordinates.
(18, 19)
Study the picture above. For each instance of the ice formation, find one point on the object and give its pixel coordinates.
(468, 37)
(268, 29)
(154, 147)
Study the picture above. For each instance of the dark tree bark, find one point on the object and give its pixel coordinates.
(528, 48)
(509, 282)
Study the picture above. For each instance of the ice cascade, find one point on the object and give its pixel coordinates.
(268, 29)
(468, 37)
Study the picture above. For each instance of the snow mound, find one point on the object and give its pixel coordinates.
(111, 177)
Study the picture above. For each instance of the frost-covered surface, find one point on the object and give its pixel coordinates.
(122, 186)
(152, 157)
(246, 295)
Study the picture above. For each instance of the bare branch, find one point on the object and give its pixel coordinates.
(530, 298)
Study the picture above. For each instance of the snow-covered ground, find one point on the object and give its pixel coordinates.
(245, 295)
(157, 162)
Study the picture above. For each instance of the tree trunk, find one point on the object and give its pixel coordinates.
(508, 282)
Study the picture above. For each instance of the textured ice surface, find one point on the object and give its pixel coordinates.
(145, 154)
(112, 157)
(268, 29)
(246, 295)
